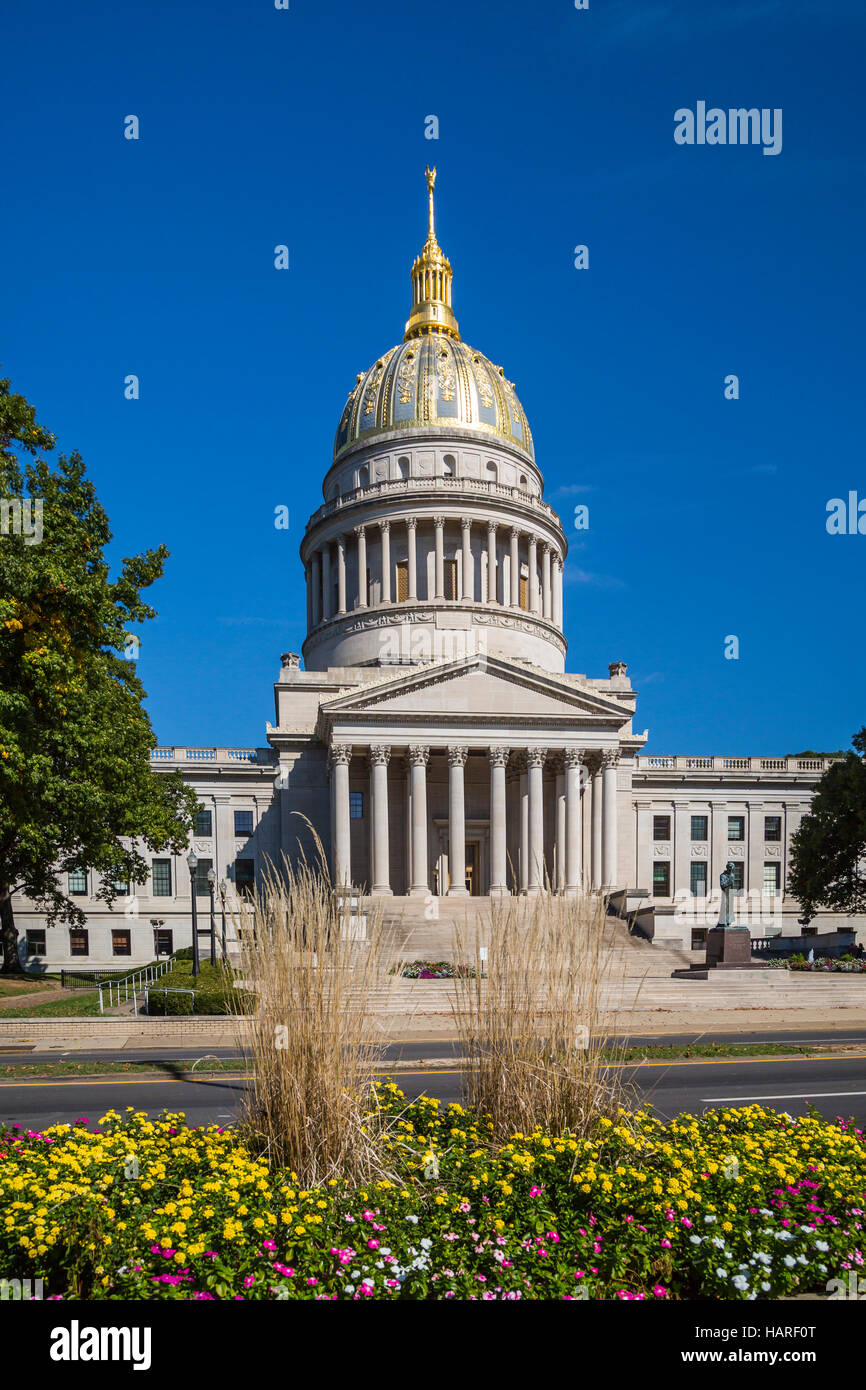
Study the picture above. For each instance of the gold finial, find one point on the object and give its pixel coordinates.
(431, 282)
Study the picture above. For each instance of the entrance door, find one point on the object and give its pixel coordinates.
(472, 879)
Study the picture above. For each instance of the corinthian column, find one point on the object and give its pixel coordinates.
(379, 758)
(557, 589)
(341, 754)
(546, 609)
(535, 762)
(385, 528)
(418, 782)
(361, 534)
(515, 568)
(491, 562)
(533, 574)
(573, 757)
(595, 812)
(317, 588)
(468, 587)
(609, 762)
(439, 523)
(326, 581)
(341, 574)
(412, 556)
(498, 857)
(456, 823)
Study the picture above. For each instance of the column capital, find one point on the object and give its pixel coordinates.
(516, 531)
(573, 757)
(457, 753)
(340, 753)
(535, 757)
(547, 548)
(361, 530)
(380, 753)
(466, 523)
(411, 523)
(418, 755)
(341, 539)
(384, 526)
(498, 756)
(491, 528)
(439, 522)
(609, 758)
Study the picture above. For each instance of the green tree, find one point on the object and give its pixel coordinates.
(76, 785)
(828, 850)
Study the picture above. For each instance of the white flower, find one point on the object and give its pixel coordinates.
(763, 1258)
(790, 1262)
(350, 1288)
(709, 1219)
(821, 1245)
(413, 1219)
(719, 1244)
(426, 1244)
(695, 1240)
(740, 1282)
(765, 1286)
(722, 1273)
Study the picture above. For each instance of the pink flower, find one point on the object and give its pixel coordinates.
(249, 1281)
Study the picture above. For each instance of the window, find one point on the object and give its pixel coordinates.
(404, 467)
(699, 938)
(772, 880)
(121, 942)
(810, 931)
(163, 941)
(700, 827)
(203, 824)
(121, 885)
(772, 827)
(78, 941)
(698, 879)
(739, 873)
(364, 476)
(491, 473)
(402, 580)
(243, 823)
(736, 827)
(524, 592)
(451, 579)
(356, 805)
(202, 869)
(661, 827)
(448, 467)
(78, 883)
(661, 878)
(36, 942)
(245, 875)
(161, 876)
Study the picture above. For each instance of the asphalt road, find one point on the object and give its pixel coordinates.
(834, 1086)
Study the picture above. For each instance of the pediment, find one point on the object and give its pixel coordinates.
(478, 687)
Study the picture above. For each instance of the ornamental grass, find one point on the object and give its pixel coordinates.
(533, 1022)
(313, 1038)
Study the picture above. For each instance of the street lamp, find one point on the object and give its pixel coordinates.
(211, 880)
(223, 912)
(192, 860)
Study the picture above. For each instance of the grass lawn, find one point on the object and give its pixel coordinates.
(73, 1006)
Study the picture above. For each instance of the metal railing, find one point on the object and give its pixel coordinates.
(120, 991)
(168, 989)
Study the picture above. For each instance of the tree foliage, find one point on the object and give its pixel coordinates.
(828, 850)
(76, 785)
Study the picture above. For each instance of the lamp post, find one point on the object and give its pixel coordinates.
(192, 860)
(223, 914)
(211, 882)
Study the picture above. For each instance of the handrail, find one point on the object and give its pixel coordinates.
(145, 976)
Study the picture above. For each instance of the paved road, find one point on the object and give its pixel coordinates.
(834, 1086)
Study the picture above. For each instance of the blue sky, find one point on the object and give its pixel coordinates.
(306, 127)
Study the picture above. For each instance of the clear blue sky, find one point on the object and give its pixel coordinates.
(306, 127)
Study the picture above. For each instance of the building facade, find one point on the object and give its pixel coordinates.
(433, 741)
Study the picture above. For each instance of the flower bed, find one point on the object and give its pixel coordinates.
(433, 970)
(739, 1204)
(824, 965)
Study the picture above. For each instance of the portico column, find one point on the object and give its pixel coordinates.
(379, 757)
(412, 556)
(557, 589)
(491, 562)
(385, 528)
(467, 590)
(609, 762)
(361, 533)
(317, 588)
(524, 826)
(535, 760)
(515, 568)
(498, 856)
(418, 784)
(559, 803)
(533, 574)
(341, 574)
(439, 523)
(340, 757)
(456, 822)
(595, 811)
(573, 822)
(545, 582)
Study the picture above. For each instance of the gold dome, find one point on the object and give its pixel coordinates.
(433, 382)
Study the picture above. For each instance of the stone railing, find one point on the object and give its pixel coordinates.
(659, 762)
(437, 487)
(212, 755)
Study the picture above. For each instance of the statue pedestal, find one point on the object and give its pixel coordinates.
(729, 946)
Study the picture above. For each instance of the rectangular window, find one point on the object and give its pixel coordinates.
(356, 805)
(161, 875)
(451, 579)
(700, 827)
(772, 880)
(203, 824)
(699, 938)
(402, 581)
(78, 941)
(78, 883)
(739, 873)
(772, 827)
(243, 823)
(524, 592)
(163, 941)
(202, 869)
(698, 878)
(36, 942)
(121, 886)
(121, 942)
(736, 827)
(245, 876)
(661, 827)
(661, 878)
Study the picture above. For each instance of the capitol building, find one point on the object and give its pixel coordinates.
(430, 731)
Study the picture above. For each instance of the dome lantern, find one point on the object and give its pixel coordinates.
(431, 283)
